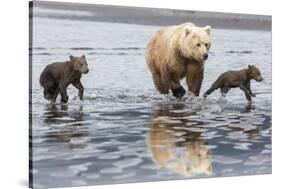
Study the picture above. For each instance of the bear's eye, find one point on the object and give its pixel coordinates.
(198, 44)
(206, 44)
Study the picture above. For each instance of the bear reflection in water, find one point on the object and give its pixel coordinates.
(65, 124)
(174, 147)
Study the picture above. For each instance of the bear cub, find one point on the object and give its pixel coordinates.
(56, 77)
(233, 79)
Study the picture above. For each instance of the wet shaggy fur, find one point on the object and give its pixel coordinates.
(176, 52)
(56, 77)
(233, 79)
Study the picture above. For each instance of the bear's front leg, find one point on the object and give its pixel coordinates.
(177, 90)
(194, 77)
(247, 92)
(80, 87)
(63, 93)
(249, 88)
(248, 96)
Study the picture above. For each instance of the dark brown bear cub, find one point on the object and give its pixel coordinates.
(56, 77)
(233, 79)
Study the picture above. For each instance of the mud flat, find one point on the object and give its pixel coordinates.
(150, 16)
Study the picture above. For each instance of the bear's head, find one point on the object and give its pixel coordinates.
(254, 73)
(80, 64)
(194, 42)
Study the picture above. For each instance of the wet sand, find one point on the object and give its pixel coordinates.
(152, 16)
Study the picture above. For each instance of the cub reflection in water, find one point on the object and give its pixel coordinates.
(65, 124)
(174, 147)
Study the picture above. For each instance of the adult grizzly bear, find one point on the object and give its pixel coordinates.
(56, 77)
(175, 52)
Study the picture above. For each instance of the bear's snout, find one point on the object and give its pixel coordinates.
(86, 71)
(260, 78)
(205, 56)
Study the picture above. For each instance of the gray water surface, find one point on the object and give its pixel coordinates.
(124, 131)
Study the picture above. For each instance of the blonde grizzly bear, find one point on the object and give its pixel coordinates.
(176, 52)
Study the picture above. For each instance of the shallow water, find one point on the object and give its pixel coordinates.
(124, 131)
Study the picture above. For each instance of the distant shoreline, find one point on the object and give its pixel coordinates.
(151, 16)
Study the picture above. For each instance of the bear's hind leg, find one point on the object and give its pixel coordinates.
(214, 87)
(224, 90)
(51, 94)
(47, 94)
(55, 95)
(160, 86)
(49, 85)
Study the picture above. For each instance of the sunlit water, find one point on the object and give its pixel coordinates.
(124, 131)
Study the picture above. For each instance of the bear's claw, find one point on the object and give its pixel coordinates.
(64, 99)
(179, 92)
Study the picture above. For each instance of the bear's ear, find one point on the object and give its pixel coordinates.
(250, 67)
(187, 30)
(83, 56)
(71, 57)
(208, 29)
